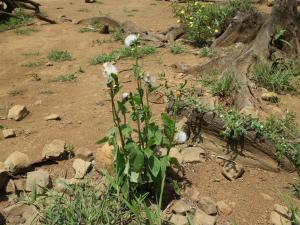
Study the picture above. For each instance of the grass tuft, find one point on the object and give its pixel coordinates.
(65, 78)
(59, 56)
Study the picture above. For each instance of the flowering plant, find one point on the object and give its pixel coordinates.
(135, 137)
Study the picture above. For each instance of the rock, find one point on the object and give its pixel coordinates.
(52, 117)
(232, 170)
(4, 178)
(181, 123)
(277, 219)
(61, 184)
(21, 214)
(8, 133)
(193, 154)
(54, 150)
(223, 208)
(208, 205)
(49, 64)
(84, 153)
(81, 168)
(270, 97)
(266, 197)
(40, 179)
(174, 153)
(104, 157)
(178, 220)
(17, 112)
(180, 207)
(194, 194)
(201, 218)
(17, 162)
(283, 210)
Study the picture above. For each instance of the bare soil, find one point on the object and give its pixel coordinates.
(84, 106)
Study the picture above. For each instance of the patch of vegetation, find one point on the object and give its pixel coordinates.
(122, 53)
(31, 53)
(85, 10)
(87, 29)
(32, 64)
(59, 56)
(207, 52)
(225, 86)
(25, 31)
(16, 92)
(209, 79)
(204, 21)
(279, 39)
(20, 19)
(277, 76)
(177, 49)
(118, 35)
(47, 92)
(65, 78)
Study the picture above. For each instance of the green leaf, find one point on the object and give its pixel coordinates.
(154, 135)
(134, 177)
(122, 107)
(102, 141)
(136, 157)
(169, 126)
(164, 163)
(148, 152)
(154, 165)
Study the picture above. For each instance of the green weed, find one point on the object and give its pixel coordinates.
(177, 49)
(25, 31)
(277, 76)
(122, 53)
(31, 53)
(20, 19)
(32, 64)
(207, 52)
(65, 78)
(225, 86)
(59, 56)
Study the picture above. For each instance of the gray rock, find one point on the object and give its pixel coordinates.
(52, 117)
(208, 205)
(17, 162)
(17, 112)
(81, 168)
(193, 154)
(178, 220)
(21, 214)
(180, 207)
(39, 179)
(223, 208)
(232, 170)
(8, 133)
(54, 150)
(84, 153)
(201, 218)
(277, 219)
(270, 97)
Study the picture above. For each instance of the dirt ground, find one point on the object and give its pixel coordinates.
(84, 106)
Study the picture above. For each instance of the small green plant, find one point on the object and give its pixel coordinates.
(47, 92)
(16, 92)
(277, 76)
(207, 52)
(122, 53)
(118, 35)
(35, 53)
(225, 86)
(279, 39)
(295, 214)
(296, 188)
(177, 49)
(20, 19)
(84, 10)
(32, 64)
(65, 78)
(25, 31)
(209, 79)
(204, 21)
(87, 29)
(59, 56)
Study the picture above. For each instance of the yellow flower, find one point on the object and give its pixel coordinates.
(178, 21)
(182, 11)
(216, 31)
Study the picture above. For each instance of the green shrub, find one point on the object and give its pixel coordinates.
(207, 52)
(204, 21)
(225, 86)
(59, 56)
(277, 76)
(32, 64)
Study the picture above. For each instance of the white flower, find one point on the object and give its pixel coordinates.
(109, 69)
(125, 96)
(150, 80)
(181, 137)
(130, 40)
